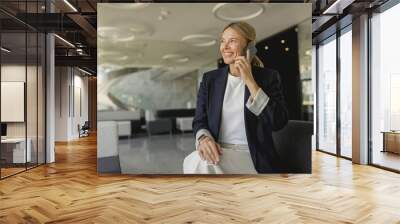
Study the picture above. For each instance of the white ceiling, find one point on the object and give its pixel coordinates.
(132, 34)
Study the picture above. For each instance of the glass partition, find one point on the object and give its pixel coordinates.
(22, 77)
(15, 150)
(327, 95)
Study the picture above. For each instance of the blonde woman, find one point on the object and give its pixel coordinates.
(238, 107)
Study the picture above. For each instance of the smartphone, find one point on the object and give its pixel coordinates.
(251, 51)
(248, 55)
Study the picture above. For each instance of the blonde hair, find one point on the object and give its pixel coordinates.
(249, 33)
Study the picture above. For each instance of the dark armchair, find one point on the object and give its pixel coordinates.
(293, 144)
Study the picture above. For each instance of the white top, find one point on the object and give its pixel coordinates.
(232, 129)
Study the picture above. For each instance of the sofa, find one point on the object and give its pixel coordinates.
(181, 119)
(184, 123)
(128, 121)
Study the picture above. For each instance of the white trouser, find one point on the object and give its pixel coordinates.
(235, 159)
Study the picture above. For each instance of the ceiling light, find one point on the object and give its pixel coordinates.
(254, 11)
(282, 41)
(124, 39)
(287, 49)
(181, 60)
(337, 7)
(115, 34)
(266, 47)
(5, 50)
(200, 40)
(84, 71)
(165, 12)
(123, 58)
(175, 58)
(70, 5)
(127, 6)
(64, 40)
(140, 29)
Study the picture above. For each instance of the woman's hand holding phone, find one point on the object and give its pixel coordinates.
(243, 65)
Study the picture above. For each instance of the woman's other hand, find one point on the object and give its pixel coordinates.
(209, 150)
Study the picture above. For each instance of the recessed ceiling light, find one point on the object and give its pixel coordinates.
(200, 40)
(165, 12)
(140, 29)
(287, 49)
(115, 34)
(175, 58)
(237, 12)
(123, 58)
(181, 60)
(266, 47)
(127, 6)
(161, 17)
(283, 41)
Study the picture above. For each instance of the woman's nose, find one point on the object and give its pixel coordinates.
(225, 46)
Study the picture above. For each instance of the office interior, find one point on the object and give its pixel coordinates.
(50, 74)
(66, 50)
(148, 86)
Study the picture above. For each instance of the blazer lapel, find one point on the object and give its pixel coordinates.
(218, 97)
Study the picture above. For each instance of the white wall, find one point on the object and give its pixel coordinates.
(69, 84)
(33, 125)
(17, 73)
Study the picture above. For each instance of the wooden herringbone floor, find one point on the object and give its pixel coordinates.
(70, 191)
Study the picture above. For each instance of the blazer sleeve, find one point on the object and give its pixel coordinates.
(200, 120)
(275, 112)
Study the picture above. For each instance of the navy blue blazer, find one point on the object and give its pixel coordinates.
(258, 128)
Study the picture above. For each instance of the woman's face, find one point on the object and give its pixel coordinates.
(231, 45)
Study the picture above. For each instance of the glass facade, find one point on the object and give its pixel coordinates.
(385, 89)
(334, 100)
(327, 95)
(346, 92)
(334, 79)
